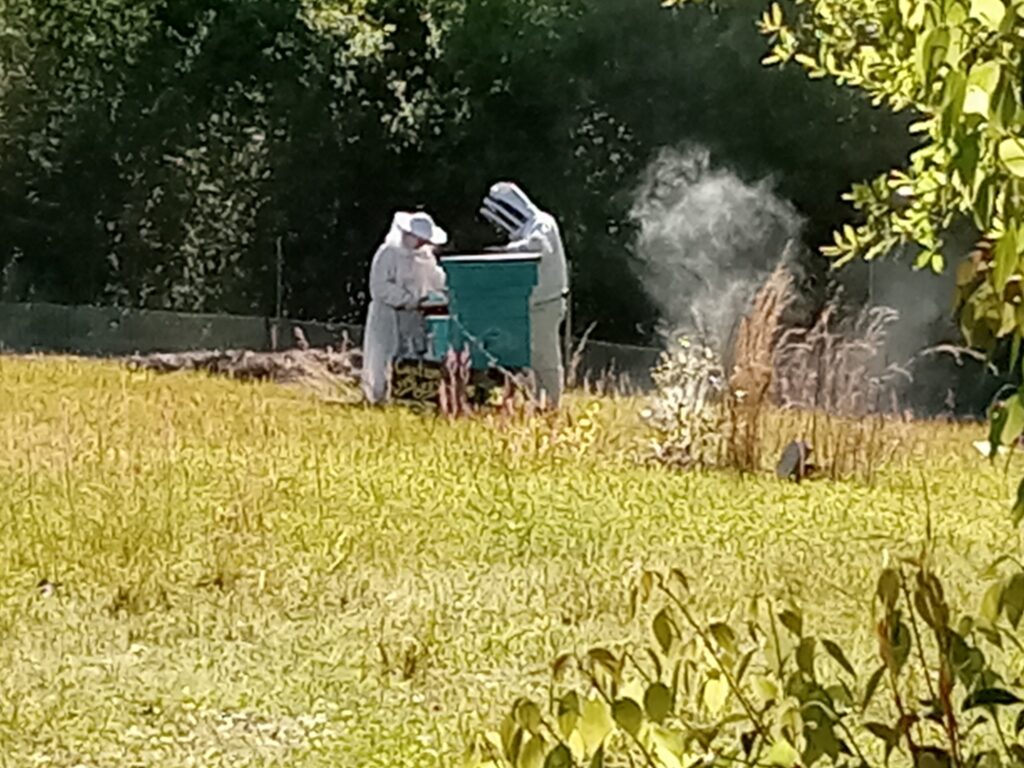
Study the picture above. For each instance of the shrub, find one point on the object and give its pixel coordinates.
(688, 413)
(763, 691)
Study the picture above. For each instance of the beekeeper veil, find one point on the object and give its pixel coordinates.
(507, 207)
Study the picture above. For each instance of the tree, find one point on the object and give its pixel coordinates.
(956, 66)
(147, 146)
(153, 152)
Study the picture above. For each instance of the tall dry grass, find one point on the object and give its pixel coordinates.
(827, 384)
(753, 369)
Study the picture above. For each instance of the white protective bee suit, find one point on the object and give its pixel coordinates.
(403, 273)
(533, 230)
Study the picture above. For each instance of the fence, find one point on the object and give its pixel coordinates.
(107, 332)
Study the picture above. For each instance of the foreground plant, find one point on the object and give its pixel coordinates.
(763, 691)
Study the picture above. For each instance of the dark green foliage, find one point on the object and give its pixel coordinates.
(159, 160)
(945, 694)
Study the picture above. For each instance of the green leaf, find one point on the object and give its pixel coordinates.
(983, 207)
(559, 757)
(792, 621)
(679, 576)
(888, 590)
(1008, 321)
(1013, 600)
(1018, 507)
(991, 602)
(1007, 257)
(1011, 154)
(836, 653)
(988, 12)
(872, 687)
(560, 664)
(1014, 426)
(663, 630)
(628, 715)
(765, 688)
(511, 738)
(724, 636)
(931, 50)
(568, 713)
(605, 659)
(988, 697)
(912, 12)
(658, 702)
(782, 754)
(1005, 105)
(821, 741)
(953, 96)
(981, 84)
(646, 585)
(744, 665)
(805, 656)
(840, 694)
(884, 732)
(716, 692)
(532, 755)
(671, 741)
(997, 423)
(934, 757)
(528, 716)
(901, 644)
(965, 163)
(595, 723)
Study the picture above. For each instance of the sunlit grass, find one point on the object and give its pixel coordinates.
(246, 574)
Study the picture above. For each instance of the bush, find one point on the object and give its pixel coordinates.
(688, 413)
(765, 692)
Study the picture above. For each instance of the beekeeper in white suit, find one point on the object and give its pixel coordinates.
(533, 230)
(404, 272)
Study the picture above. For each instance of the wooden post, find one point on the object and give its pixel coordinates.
(275, 331)
(567, 339)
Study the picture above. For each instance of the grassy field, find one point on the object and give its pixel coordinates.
(245, 575)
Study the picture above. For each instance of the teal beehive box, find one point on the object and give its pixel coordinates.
(489, 306)
(439, 336)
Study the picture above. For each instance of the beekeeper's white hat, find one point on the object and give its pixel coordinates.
(422, 226)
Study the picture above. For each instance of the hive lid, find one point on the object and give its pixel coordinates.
(496, 257)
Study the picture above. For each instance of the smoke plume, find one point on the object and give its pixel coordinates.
(706, 242)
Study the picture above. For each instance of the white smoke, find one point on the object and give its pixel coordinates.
(707, 240)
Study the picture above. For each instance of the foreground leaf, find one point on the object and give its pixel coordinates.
(628, 715)
(595, 724)
(989, 697)
(783, 754)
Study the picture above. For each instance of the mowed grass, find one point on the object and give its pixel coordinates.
(246, 575)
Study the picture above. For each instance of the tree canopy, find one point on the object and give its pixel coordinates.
(154, 154)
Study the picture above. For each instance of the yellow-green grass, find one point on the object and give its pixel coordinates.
(247, 575)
